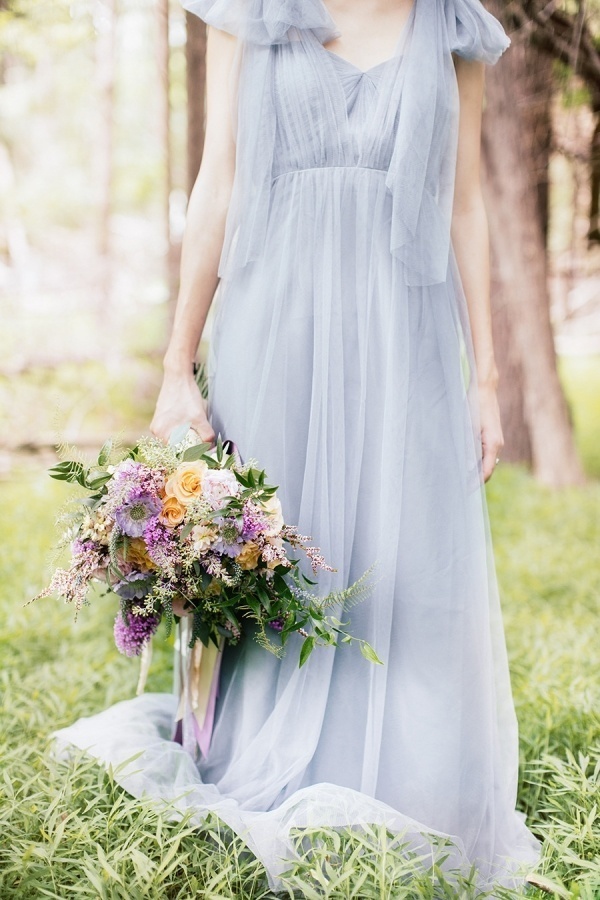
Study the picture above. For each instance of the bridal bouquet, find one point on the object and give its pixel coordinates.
(188, 529)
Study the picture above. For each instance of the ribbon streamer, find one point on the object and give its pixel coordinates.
(198, 671)
(145, 660)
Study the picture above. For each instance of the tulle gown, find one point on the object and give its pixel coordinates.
(341, 360)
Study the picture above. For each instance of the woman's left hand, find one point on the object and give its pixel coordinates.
(491, 430)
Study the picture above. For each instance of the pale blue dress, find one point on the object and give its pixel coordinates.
(341, 360)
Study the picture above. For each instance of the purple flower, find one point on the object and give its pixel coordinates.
(277, 624)
(133, 516)
(132, 632)
(254, 521)
(162, 545)
(80, 547)
(230, 539)
(128, 589)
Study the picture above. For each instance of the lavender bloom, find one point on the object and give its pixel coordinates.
(81, 547)
(133, 632)
(277, 624)
(128, 589)
(127, 469)
(230, 539)
(133, 516)
(162, 546)
(254, 521)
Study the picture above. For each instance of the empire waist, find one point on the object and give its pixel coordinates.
(347, 168)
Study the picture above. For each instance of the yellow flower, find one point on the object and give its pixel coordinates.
(248, 558)
(172, 512)
(185, 484)
(137, 555)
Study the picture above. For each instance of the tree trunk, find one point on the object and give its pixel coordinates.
(195, 58)
(594, 230)
(528, 358)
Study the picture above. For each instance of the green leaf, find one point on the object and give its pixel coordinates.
(306, 650)
(95, 483)
(104, 455)
(69, 471)
(548, 885)
(368, 653)
(266, 600)
(195, 452)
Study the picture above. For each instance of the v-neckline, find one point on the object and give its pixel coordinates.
(389, 59)
(351, 65)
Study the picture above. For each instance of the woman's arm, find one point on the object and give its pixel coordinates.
(471, 246)
(179, 399)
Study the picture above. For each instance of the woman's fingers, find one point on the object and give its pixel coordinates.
(491, 456)
(204, 430)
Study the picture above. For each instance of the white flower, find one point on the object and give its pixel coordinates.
(272, 507)
(202, 537)
(218, 484)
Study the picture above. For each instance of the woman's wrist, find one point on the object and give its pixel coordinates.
(487, 377)
(178, 365)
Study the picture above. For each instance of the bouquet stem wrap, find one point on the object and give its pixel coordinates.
(197, 682)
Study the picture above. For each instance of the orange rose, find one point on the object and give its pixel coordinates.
(172, 512)
(186, 481)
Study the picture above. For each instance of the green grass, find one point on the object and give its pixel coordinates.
(67, 830)
(581, 381)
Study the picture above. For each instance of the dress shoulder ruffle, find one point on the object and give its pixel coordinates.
(473, 32)
(265, 21)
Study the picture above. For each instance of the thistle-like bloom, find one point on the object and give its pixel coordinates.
(134, 587)
(133, 516)
(230, 540)
(132, 632)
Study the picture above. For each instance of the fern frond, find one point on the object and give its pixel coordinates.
(352, 595)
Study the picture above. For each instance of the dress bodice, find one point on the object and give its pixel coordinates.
(301, 107)
(314, 86)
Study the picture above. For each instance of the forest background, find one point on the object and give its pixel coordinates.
(101, 124)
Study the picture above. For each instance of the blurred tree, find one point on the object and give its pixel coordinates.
(516, 151)
(564, 33)
(164, 58)
(195, 57)
(105, 21)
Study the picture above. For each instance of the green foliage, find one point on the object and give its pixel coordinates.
(574, 92)
(580, 376)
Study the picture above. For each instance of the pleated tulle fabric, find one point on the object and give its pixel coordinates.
(341, 359)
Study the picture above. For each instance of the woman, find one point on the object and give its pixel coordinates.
(339, 202)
